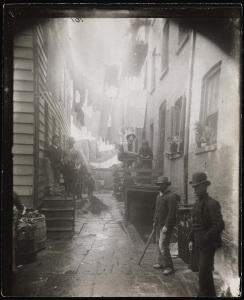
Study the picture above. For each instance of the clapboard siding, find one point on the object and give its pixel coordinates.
(23, 180)
(23, 64)
(23, 128)
(25, 86)
(21, 136)
(23, 96)
(22, 40)
(24, 190)
(23, 159)
(23, 170)
(23, 107)
(25, 118)
(23, 53)
(19, 149)
(24, 75)
(23, 141)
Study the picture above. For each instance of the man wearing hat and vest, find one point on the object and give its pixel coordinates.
(126, 150)
(205, 235)
(164, 220)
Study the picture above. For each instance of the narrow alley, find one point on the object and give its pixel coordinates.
(125, 141)
(102, 260)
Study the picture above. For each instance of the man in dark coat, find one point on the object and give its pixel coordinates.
(54, 153)
(164, 220)
(205, 233)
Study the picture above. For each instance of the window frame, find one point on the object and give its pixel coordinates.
(204, 114)
(165, 47)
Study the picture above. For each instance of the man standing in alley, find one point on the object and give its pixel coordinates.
(72, 159)
(164, 221)
(205, 234)
(54, 153)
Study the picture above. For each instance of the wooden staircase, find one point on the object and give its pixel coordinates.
(60, 216)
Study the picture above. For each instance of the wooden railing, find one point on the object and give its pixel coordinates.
(139, 173)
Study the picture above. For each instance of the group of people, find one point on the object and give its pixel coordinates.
(205, 234)
(68, 162)
(127, 156)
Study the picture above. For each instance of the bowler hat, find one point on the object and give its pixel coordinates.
(163, 180)
(131, 134)
(199, 177)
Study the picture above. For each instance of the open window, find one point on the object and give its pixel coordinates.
(210, 96)
(209, 110)
(176, 137)
(165, 47)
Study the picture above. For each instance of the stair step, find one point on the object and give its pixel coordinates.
(67, 228)
(60, 223)
(59, 219)
(57, 201)
(56, 208)
(57, 212)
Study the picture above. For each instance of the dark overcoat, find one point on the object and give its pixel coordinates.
(55, 156)
(212, 220)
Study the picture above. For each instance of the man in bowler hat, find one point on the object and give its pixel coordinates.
(164, 220)
(205, 234)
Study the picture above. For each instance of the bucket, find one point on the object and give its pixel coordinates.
(41, 232)
(26, 246)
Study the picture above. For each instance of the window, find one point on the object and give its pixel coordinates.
(178, 125)
(183, 30)
(165, 47)
(153, 70)
(210, 95)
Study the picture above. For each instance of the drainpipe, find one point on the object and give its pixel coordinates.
(188, 113)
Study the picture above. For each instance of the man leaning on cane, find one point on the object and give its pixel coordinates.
(207, 225)
(164, 220)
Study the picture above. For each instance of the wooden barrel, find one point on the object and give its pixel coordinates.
(41, 232)
(26, 246)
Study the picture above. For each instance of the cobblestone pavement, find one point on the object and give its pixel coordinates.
(102, 260)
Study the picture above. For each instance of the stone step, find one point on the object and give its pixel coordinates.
(50, 212)
(60, 233)
(57, 202)
(60, 222)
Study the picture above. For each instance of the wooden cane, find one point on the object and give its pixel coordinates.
(148, 242)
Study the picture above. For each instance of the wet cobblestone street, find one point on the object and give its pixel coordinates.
(102, 260)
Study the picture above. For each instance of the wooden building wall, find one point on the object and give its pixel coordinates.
(37, 116)
(23, 118)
